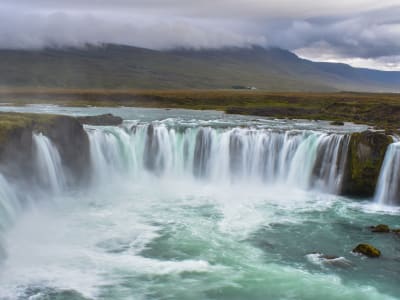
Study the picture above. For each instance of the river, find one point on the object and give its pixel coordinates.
(195, 205)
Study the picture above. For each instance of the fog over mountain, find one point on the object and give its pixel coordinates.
(359, 32)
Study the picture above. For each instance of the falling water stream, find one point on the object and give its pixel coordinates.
(195, 205)
(388, 188)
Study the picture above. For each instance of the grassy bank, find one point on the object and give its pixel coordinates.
(381, 110)
(14, 122)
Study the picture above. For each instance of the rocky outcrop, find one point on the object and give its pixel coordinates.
(17, 150)
(72, 142)
(101, 120)
(365, 157)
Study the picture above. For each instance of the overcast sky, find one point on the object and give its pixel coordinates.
(359, 32)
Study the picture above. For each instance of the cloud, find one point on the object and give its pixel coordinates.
(356, 31)
(64, 28)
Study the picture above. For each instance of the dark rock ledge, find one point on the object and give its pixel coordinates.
(17, 150)
(101, 120)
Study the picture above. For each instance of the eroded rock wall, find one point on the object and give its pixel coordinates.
(365, 157)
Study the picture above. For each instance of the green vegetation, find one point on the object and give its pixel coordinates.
(381, 110)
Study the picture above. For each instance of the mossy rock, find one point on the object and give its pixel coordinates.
(366, 153)
(367, 250)
(381, 228)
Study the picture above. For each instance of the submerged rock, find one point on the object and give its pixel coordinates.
(367, 250)
(321, 259)
(365, 157)
(381, 228)
(101, 120)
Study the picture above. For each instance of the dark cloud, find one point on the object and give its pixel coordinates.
(354, 30)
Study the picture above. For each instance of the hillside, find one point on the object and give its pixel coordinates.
(116, 67)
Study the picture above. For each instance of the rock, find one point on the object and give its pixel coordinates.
(366, 153)
(337, 123)
(381, 228)
(329, 257)
(101, 120)
(17, 151)
(321, 259)
(72, 142)
(367, 250)
(324, 256)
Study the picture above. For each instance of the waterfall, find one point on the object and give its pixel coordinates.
(9, 203)
(388, 187)
(49, 178)
(300, 158)
(9, 207)
(50, 172)
(296, 158)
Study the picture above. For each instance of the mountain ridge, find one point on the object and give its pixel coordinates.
(119, 66)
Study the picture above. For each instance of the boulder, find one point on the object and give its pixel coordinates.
(367, 250)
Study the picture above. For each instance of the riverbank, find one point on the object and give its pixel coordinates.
(380, 110)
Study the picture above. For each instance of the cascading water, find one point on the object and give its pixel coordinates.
(10, 206)
(388, 187)
(49, 176)
(49, 168)
(224, 155)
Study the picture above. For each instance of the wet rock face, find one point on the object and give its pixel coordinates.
(72, 142)
(365, 157)
(367, 250)
(152, 160)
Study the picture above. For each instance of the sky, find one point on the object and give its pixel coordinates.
(363, 33)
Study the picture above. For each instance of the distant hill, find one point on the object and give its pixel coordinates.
(116, 66)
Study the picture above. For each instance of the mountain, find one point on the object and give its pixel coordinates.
(117, 66)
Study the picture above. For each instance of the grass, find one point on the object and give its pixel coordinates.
(13, 122)
(381, 110)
